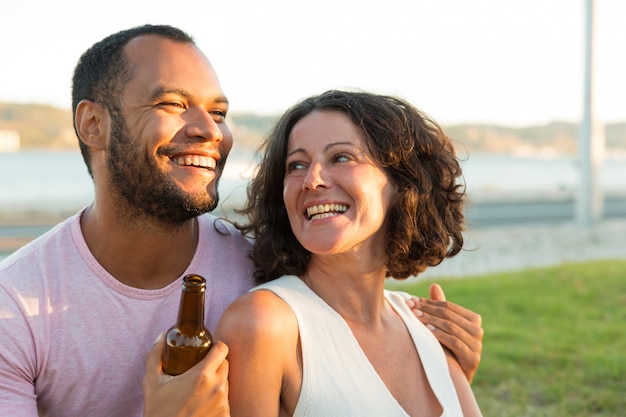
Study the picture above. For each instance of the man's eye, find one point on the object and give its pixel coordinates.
(172, 104)
(219, 115)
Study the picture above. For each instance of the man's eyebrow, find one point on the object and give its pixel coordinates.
(160, 92)
(221, 100)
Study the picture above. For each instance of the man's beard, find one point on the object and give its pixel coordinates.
(136, 178)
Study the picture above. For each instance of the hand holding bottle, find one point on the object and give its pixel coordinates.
(201, 391)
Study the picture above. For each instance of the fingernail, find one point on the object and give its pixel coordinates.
(418, 313)
(431, 327)
(158, 339)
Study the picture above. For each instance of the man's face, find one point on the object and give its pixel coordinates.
(170, 140)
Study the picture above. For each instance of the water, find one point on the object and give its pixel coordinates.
(38, 180)
(43, 181)
(58, 182)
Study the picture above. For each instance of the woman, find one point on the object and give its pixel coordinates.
(353, 188)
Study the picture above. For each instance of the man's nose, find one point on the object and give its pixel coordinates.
(202, 125)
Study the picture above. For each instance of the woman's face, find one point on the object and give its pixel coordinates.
(335, 196)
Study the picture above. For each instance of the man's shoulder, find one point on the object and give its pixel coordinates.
(218, 227)
(48, 248)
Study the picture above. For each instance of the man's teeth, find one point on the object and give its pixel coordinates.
(323, 211)
(196, 160)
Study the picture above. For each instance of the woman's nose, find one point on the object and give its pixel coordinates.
(313, 178)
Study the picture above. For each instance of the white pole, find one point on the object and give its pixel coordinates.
(591, 143)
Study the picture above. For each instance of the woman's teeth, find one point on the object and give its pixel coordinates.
(322, 211)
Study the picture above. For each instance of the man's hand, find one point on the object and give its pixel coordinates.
(457, 329)
(201, 391)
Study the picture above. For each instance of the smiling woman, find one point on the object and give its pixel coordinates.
(352, 188)
(327, 152)
(358, 151)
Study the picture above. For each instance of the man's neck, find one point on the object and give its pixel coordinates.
(143, 254)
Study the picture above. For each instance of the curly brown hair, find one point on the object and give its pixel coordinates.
(425, 222)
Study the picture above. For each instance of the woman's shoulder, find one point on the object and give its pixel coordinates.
(261, 333)
(260, 316)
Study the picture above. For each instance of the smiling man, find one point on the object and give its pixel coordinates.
(82, 305)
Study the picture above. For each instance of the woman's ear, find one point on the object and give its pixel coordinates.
(92, 124)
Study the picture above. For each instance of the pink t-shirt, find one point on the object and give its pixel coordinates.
(73, 339)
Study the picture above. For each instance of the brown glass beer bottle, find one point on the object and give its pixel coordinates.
(188, 341)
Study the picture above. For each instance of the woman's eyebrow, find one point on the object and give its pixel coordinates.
(326, 148)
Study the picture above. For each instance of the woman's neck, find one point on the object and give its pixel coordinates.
(354, 289)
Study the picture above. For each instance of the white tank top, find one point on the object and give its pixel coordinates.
(338, 380)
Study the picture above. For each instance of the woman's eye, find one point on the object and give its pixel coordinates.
(294, 166)
(342, 158)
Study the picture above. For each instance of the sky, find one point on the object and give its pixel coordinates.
(510, 62)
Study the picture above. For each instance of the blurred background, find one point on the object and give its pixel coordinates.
(507, 80)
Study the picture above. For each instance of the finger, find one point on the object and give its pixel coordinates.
(214, 358)
(465, 348)
(456, 335)
(154, 375)
(218, 351)
(454, 323)
(412, 302)
(153, 359)
(436, 293)
(457, 329)
(211, 373)
(451, 322)
(468, 357)
(447, 310)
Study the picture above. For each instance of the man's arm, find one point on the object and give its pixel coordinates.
(18, 361)
(201, 391)
(458, 329)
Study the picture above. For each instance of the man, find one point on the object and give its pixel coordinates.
(81, 306)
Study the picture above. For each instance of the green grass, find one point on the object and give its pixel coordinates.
(555, 339)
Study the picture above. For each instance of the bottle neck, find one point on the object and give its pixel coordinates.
(191, 311)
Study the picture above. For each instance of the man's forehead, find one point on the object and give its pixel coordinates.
(164, 64)
(155, 47)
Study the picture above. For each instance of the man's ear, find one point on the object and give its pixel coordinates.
(92, 124)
